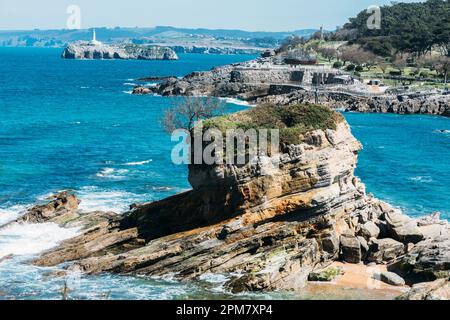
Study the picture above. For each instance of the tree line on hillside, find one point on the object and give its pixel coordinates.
(414, 28)
(415, 35)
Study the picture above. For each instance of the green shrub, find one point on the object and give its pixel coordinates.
(326, 275)
(292, 121)
(395, 73)
(337, 65)
(350, 67)
(359, 69)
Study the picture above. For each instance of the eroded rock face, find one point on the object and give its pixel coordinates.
(62, 203)
(268, 226)
(85, 50)
(275, 223)
(437, 290)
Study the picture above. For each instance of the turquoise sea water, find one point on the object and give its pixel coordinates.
(73, 125)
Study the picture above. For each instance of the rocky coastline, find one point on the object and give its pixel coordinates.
(89, 51)
(268, 229)
(271, 81)
(215, 50)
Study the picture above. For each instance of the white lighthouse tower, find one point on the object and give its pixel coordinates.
(94, 41)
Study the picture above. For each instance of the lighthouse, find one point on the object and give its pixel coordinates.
(94, 41)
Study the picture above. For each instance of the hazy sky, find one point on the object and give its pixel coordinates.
(253, 15)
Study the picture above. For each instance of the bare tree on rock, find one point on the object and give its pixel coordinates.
(187, 111)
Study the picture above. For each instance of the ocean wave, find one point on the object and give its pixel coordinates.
(30, 239)
(237, 102)
(141, 163)
(162, 188)
(128, 92)
(94, 199)
(130, 84)
(421, 179)
(10, 214)
(110, 173)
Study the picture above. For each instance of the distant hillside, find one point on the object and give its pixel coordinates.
(414, 28)
(161, 35)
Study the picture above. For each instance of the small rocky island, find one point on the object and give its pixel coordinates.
(266, 229)
(96, 50)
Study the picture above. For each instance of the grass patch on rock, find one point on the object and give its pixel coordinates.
(292, 121)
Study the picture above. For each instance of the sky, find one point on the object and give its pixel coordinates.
(251, 15)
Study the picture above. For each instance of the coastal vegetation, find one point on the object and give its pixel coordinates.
(292, 121)
(415, 28)
(412, 46)
(187, 111)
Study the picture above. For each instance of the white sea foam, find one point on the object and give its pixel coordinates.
(94, 199)
(141, 163)
(237, 102)
(162, 188)
(128, 92)
(110, 173)
(10, 214)
(131, 84)
(422, 179)
(29, 239)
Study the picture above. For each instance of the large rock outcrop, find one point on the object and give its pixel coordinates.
(84, 50)
(267, 227)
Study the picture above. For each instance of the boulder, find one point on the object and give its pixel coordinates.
(369, 230)
(432, 219)
(437, 290)
(403, 228)
(385, 250)
(326, 275)
(351, 249)
(330, 243)
(427, 261)
(60, 204)
(392, 279)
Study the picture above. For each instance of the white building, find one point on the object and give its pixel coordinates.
(94, 41)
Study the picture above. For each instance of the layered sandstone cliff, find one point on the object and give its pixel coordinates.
(265, 227)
